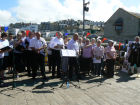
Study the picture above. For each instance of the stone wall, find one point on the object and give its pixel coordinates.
(130, 26)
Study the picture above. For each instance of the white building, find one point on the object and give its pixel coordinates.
(33, 28)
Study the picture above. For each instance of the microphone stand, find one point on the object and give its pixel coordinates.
(66, 80)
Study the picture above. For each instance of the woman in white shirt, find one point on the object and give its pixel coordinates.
(98, 52)
(4, 43)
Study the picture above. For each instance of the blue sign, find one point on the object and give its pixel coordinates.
(66, 34)
(5, 29)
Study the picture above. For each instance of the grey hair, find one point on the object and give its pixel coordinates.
(93, 39)
(98, 40)
(137, 37)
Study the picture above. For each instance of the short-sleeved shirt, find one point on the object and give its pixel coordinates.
(111, 51)
(35, 43)
(87, 52)
(4, 43)
(94, 45)
(98, 52)
(23, 41)
(29, 41)
(73, 45)
(1, 54)
(49, 50)
(55, 41)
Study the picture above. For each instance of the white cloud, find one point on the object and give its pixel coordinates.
(45, 10)
(101, 10)
(5, 17)
(53, 10)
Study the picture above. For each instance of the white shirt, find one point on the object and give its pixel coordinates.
(110, 50)
(98, 52)
(55, 41)
(94, 45)
(35, 43)
(73, 45)
(49, 50)
(4, 43)
(23, 39)
(29, 40)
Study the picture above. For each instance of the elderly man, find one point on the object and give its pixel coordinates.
(134, 57)
(28, 52)
(56, 44)
(38, 45)
(73, 61)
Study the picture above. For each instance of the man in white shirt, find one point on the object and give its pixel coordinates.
(73, 61)
(38, 45)
(23, 38)
(28, 53)
(56, 44)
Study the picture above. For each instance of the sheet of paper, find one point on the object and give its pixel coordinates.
(68, 53)
(2, 45)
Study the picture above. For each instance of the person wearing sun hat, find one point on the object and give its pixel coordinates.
(110, 58)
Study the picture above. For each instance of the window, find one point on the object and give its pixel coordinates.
(119, 25)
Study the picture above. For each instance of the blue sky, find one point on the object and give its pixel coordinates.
(131, 2)
(12, 11)
(6, 4)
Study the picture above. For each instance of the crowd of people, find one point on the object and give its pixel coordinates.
(27, 53)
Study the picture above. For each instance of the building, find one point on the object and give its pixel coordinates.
(44, 26)
(13, 31)
(122, 25)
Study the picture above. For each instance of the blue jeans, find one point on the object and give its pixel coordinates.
(97, 68)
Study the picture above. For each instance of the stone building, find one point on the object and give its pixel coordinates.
(122, 25)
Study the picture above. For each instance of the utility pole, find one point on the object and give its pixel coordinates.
(85, 8)
(83, 16)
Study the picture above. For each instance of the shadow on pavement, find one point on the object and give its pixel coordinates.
(124, 77)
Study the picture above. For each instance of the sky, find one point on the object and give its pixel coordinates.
(36, 11)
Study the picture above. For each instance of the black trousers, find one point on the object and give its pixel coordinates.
(97, 68)
(1, 68)
(10, 59)
(29, 60)
(50, 62)
(38, 62)
(56, 62)
(1, 64)
(85, 64)
(73, 66)
(5, 62)
(110, 67)
(18, 62)
(135, 59)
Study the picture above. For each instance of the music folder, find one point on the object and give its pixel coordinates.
(68, 53)
(5, 48)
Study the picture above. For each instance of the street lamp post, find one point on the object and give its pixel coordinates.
(85, 8)
(83, 17)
